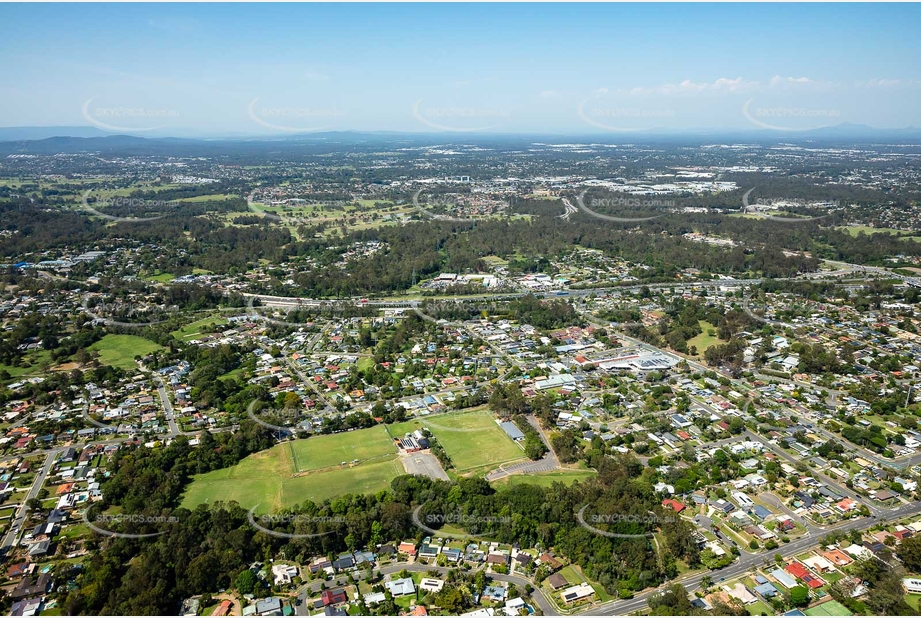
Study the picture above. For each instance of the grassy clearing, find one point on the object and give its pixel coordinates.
(759, 607)
(191, 331)
(546, 479)
(367, 478)
(120, 350)
(704, 340)
(913, 600)
(326, 451)
(160, 277)
(255, 480)
(267, 480)
(33, 361)
(216, 197)
(854, 230)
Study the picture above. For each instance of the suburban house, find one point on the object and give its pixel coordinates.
(333, 597)
(400, 587)
(577, 593)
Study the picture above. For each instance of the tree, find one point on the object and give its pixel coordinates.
(246, 582)
(799, 595)
(909, 553)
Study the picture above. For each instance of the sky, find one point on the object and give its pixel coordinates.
(260, 69)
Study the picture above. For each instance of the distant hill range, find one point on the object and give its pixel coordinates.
(64, 139)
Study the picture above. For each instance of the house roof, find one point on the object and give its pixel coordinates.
(557, 581)
(333, 597)
(796, 569)
(674, 504)
(401, 586)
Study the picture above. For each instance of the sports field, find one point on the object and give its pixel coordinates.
(472, 439)
(272, 480)
(829, 608)
(120, 350)
(325, 451)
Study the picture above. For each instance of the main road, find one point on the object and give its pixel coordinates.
(20, 518)
(314, 587)
(744, 564)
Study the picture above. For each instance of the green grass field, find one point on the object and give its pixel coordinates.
(120, 350)
(546, 479)
(703, 340)
(33, 361)
(854, 230)
(759, 607)
(472, 440)
(191, 331)
(267, 479)
(325, 451)
(215, 197)
(160, 277)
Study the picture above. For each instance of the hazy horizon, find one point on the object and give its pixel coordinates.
(212, 70)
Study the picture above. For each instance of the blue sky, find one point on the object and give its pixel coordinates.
(589, 68)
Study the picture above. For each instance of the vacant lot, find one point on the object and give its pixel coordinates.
(120, 350)
(267, 479)
(546, 479)
(194, 330)
(704, 340)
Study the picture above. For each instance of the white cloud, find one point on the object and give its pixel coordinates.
(777, 80)
(723, 84)
(887, 83)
